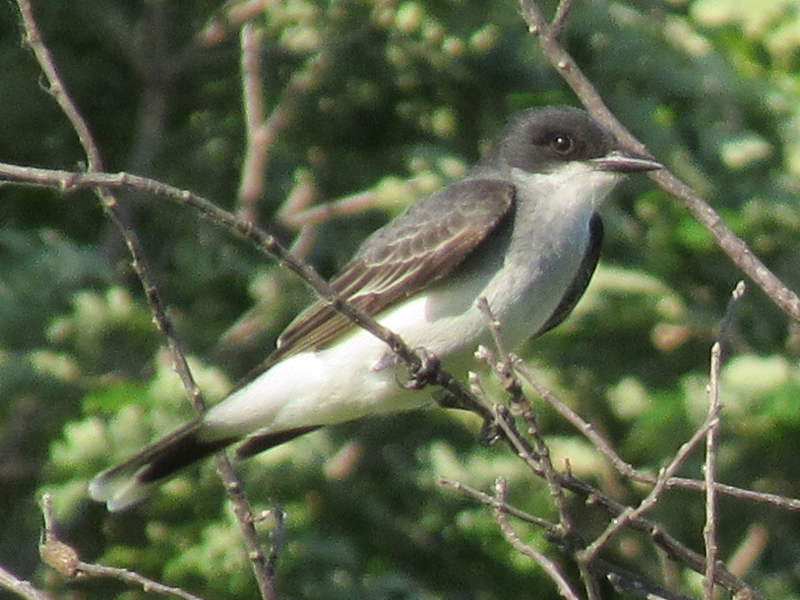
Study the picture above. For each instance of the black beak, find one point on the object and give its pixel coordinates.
(620, 162)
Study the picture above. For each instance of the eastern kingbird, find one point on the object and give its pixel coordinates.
(520, 230)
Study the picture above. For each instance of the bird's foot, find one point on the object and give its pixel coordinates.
(490, 433)
(426, 373)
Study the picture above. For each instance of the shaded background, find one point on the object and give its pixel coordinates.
(399, 99)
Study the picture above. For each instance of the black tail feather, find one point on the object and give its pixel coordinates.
(131, 481)
(260, 442)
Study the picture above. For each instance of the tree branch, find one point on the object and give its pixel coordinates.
(547, 565)
(65, 559)
(626, 469)
(710, 467)
(738, 251)
(20, 587)
(66, 181)
(232, 485)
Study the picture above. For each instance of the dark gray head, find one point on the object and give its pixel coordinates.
(541, 139)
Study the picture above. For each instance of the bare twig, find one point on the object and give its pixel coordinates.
(710, 467)
(262, 129)
(674, 549)
(495, 503)
(266, 243)
(560, 18)
(620, 578)
(109, 203)
(626, 469)
(733, 246)
(549, 567)
(251, 180)
(348, 205)
(233, 16)
(750, 549)
(33, 38)
(653, 497)
(276, 541)
(625, 515)
(65, 559)
(504, 370)
(20, 587)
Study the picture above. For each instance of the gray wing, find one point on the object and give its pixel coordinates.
(582, 278)
(413, 251)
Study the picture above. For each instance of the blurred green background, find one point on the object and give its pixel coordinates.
(400, 97)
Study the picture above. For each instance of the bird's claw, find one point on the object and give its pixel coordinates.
(424, 374)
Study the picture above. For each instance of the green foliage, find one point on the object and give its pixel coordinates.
(395, 98)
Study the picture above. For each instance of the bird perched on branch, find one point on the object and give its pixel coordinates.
(520, 230)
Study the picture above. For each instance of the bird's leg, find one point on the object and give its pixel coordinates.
(452, 393)
(425, 372)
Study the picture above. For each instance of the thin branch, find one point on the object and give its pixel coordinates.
(65, 181)
(347, 205)
(626, 469)
(733, 246)
(56, 88)
(547, 565)
(556, 28)
(233, 16)
(65, 559)
(626, 516)
(251, 180)
(20, 587)
(262, 129)
(673, 549)
(652, 498)
(495, 503)
(710, 468)
(109, 203)
(750, 549)
(623, 580)
(504, 370)
(714, 409)
(276, 540)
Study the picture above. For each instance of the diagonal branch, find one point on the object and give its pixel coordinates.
(736, 249)
(626, 469)
(547, 565)
(262, 129)
(241, 506)
(20, 587)
(65, 181)
(65, 559)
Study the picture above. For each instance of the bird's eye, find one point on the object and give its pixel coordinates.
(562, 144)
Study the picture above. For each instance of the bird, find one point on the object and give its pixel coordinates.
(520, 231)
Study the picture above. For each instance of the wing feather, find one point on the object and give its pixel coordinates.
(413, 251)
(578, 286)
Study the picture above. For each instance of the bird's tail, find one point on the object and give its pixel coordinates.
(128, 483)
